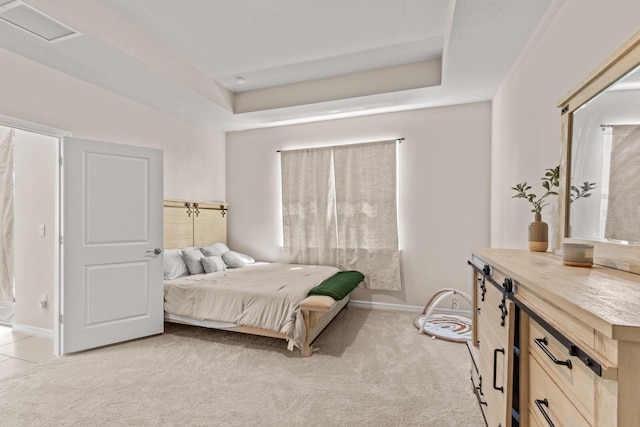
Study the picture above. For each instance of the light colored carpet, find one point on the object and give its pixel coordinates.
(372, 369)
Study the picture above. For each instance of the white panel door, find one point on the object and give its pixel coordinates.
(112, 272)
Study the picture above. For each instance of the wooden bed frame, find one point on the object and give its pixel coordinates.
(189, 223)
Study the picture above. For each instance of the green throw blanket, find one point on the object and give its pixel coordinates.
(339, 285)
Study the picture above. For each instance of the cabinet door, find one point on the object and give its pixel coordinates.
(491, 371)
(495, 316)
(495, 345)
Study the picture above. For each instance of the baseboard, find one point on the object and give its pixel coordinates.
(384, 306)
(402, 307)
(33, 330)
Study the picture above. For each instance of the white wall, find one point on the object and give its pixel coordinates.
(35, 201)
(443, 180)
(193, 156)
(579, 35)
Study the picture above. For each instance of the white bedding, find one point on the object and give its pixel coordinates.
(265, 296)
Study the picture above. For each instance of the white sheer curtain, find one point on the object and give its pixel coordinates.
(308, 207)
(623, 213)
(6, 214)
(367, 213)
(339, 208)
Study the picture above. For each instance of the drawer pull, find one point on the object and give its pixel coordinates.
(543, 343)
(539, 404)
(495, 369)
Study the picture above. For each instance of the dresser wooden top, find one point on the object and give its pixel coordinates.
(607, 299)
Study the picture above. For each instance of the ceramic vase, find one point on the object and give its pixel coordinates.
(538, 235)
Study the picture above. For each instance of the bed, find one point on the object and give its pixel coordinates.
(239, 294)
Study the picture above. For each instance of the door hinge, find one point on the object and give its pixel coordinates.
(61, 318)
(61, 239)
(61, 161)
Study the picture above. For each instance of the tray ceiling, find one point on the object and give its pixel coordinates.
(243, 64)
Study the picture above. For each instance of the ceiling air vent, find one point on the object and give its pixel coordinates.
(34, 21)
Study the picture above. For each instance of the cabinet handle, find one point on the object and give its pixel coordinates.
(483, 287)
(479, 313)
(495, 369)
(504, 312)
(507, 289)
(478, 391)
(539, 404)
(543, 343)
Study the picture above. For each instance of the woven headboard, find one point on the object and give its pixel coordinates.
(192, 223)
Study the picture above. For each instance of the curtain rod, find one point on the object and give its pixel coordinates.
(398, 140)
(619, 124)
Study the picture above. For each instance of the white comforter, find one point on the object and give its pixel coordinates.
(265, 296)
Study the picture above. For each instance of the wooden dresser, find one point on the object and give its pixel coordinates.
(554, 345)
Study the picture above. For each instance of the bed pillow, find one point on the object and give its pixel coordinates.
(217, 249)
(174, 265)
(211, 264)
(192, 258)
(236, 259)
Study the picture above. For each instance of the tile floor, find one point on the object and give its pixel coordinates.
(19, 352)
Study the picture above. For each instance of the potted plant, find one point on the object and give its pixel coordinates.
(538, 230)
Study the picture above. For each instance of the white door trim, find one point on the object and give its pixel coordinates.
(32, 127)
(55, 133)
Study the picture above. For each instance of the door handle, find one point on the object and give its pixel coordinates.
(156, 251)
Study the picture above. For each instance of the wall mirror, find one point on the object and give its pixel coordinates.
(600, 166)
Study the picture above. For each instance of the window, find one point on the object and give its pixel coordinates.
(339, 208)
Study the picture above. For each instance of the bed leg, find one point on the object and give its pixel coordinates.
(306, 350)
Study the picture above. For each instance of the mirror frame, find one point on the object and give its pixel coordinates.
(624, 60)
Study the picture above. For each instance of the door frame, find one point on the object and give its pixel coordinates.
(58, 134)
